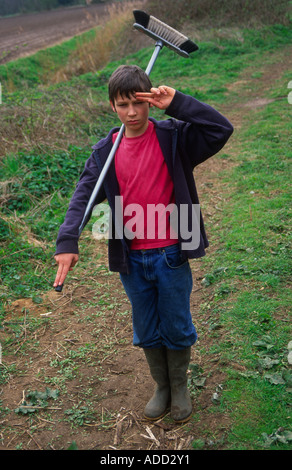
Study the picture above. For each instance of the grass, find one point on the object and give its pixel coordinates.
(250, 277)
(48, 133)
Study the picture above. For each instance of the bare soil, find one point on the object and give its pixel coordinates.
(23, 35)
(115, 383)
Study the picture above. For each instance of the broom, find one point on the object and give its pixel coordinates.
(164, 35)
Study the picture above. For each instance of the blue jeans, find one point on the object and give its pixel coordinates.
(159, 287)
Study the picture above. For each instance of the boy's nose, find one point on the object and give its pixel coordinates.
(132, 111)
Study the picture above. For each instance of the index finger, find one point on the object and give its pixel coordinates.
(62, 272)
(144, 95)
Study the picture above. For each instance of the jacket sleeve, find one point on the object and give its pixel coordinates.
(67, 239)
(203, 131)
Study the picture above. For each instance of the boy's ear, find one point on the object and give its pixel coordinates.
(113, 107)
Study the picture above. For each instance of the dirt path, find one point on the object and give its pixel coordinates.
(25, 34)
(114, 379)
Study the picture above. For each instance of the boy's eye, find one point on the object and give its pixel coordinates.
(123, 105)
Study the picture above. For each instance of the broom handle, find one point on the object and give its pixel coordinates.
(158, 47)
(101, 178)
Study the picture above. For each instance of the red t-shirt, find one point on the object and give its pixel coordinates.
(146, 189)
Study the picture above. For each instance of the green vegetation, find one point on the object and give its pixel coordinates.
(249, 273)
(244, 318)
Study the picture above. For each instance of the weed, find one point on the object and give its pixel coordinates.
(36, 400)
(79, 415)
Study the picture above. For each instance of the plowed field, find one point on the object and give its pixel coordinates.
(25, 34)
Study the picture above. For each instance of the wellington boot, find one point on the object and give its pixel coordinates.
(178, 363)
(158, 404)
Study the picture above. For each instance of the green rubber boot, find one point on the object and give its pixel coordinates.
(181, 404)
(158, 404)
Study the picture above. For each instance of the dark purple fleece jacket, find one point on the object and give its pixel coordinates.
(195, 132)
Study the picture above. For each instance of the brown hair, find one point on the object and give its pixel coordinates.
(127, 79)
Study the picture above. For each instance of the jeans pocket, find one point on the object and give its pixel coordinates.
(175, 259)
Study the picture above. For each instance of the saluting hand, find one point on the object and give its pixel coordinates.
(160, 97)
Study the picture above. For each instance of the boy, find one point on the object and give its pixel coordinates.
(153, 168)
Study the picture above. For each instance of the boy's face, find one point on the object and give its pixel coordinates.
(133, 113)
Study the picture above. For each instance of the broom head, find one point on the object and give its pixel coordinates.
(160, 31)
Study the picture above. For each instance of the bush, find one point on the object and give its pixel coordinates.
(220, 12)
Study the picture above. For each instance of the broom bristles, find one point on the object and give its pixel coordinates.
(166, 32)
(158, 30)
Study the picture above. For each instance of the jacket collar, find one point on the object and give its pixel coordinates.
(166, 125)
(167, 145)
